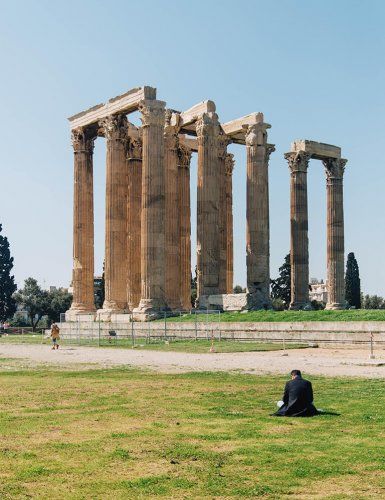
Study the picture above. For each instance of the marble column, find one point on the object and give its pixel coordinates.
(153, 211)
(172, 218)
(335, 233)
(115, 271)
(223, 141)
(185, 227)
(257, 217)
(299, 242)
(134, 207)
(207, 129)
(83, 224)
(229, 165)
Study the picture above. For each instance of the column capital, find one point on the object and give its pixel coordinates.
(153, 112)
(298, 161)
(229, 164)
(170, 133)
(134, 150)
(334, 168)
(270, 148)
(207, 124)
(223, 142)
(83, 140)
(184, 154)
(115, 128)
(256, 135)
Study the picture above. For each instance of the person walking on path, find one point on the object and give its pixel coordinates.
(55, 331)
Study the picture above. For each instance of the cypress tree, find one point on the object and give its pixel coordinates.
(352, 282)
(7, 282)
(281, 287)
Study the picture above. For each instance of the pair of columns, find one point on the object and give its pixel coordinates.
(299, 247)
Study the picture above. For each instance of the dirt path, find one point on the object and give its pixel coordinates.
(322, 361)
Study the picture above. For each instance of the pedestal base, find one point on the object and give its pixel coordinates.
(335, 306)
(111, 314)
(149, 310)
(80, 315)
(258, 301)
(300, 306)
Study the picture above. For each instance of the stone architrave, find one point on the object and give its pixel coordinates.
(299, 242)
(185, 226)
(229, 167)
(208, 241)
(334, 168)
(223, 141)
(114, 129)
(257, 217)
(134, 207)
(83, 224)
(172, 219)
(153, 211)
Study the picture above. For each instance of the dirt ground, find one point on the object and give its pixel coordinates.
(339, 361)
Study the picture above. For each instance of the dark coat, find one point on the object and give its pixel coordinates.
(297, 399)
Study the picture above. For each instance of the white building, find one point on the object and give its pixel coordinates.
(318, 290)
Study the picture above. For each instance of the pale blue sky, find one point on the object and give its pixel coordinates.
(314, 68)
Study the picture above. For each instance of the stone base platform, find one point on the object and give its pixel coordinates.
(224, 302)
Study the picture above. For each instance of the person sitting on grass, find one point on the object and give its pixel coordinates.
(55, 335)
(297, 398)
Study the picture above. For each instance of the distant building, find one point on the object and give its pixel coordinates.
(318, 290)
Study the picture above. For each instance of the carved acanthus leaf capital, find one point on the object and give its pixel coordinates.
(223, 142)
(184, 155)
(207, 125)
(256, 135)
(298, 161)
(153, 112)
(82, 141)
(334, 168)
(115, 128)
(270, 148)
(229, 164)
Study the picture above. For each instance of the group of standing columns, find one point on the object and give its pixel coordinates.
(299, 246)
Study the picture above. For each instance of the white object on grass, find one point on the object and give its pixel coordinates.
(280, 403)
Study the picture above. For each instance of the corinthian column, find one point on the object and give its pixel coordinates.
(335, 232)
(223, 141)
(257, 215)
(207, 129)
(172, 218)
(299, 243)
(115, 131)
(185, 227)
(83, 228)
(134, 207)
(153, 211)
(229, 166)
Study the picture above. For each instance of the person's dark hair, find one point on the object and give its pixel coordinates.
(295, 373)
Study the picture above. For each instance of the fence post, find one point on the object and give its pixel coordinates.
(371, 347)
(132, 332)
(220, 332)
(196, 327)
(165, 325)
(99, 330)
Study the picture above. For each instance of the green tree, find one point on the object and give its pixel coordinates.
(99, 290)
(194, 286)
(372, 302)
(352, 282)
(7, 281)
(33, 300)
(239, 289)
(281, 287)
(58, 301)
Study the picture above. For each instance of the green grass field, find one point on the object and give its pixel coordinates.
(345, 315)
(133, 434)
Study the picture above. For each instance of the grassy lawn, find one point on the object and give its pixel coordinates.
(133, 434)
(348, 315)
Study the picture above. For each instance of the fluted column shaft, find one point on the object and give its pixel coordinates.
(223, 233)
(229, 165)
(153, 209)
(134, 207)
(83, 223)
(185, 227)
(207, 128)
(257, 215)
(115, 131)
(172, 219)
(335, 233)
(299, 241)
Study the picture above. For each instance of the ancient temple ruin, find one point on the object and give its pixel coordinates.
(148, 214)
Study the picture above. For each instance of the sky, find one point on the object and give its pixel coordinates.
(314, 68)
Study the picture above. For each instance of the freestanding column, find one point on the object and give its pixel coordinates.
(229, 165)
(335, 232)
(207, 129)
(153, 211)
(223, 234)
(134, 207)
(172, 219)
(185, 227)
(115, 131)
(257, 215)
(83, 228)
(299, 243)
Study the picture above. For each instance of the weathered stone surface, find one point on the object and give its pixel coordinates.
(223, 141)
(317, 150)
(229, 167)
(224, 302)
